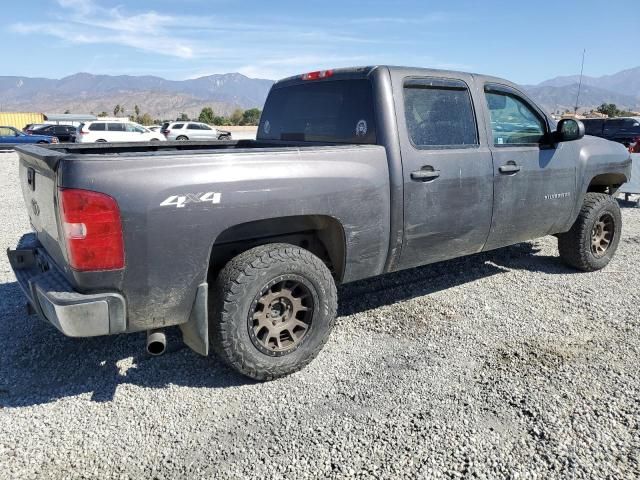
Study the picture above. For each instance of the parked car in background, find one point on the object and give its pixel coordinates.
(65, 133)
(101, 131)
(190, 131)
(13, 135)
(29, 128)
(621, 130)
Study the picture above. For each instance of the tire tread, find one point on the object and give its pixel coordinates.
(235, 282)
(574, 246)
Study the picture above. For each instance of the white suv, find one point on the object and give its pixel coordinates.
(189, 131)
(110, 131)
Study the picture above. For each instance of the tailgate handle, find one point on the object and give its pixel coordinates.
(31, 178)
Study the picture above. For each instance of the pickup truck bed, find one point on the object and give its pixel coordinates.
(341, 183)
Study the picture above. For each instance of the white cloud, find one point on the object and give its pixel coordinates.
(266, 48)
(278, 67)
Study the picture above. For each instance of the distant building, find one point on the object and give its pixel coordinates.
(68, 118)
(20, 119)
(594, 114)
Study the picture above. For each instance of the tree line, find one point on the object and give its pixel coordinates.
(612, 110)
(207, 115)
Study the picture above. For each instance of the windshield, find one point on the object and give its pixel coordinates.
(339, 111)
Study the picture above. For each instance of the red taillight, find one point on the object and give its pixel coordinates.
(92, 230)
(317, 75)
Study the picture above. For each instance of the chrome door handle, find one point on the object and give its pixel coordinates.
(509, 168)
(425, 175)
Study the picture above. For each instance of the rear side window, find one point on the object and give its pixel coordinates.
(98, 127)
(439, 113)
(116, 127)
(177, 126)
(336, 111)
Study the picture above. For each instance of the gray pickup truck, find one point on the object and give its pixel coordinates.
(355, 173)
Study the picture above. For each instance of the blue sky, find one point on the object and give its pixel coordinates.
(526, 42)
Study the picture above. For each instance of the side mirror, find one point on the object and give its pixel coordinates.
(569, 129)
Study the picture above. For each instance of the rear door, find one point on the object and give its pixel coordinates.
(534, 182)
(447, 169)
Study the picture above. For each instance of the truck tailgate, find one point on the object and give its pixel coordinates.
(39, 190)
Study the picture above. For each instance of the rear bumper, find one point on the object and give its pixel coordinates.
(54, 299)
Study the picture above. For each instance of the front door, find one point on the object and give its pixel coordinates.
(534, 181)
(447, 169)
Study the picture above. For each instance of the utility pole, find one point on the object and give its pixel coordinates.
(575, 110)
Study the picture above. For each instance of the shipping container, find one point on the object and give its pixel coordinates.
(20, 119)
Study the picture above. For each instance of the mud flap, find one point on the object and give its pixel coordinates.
(195, 333)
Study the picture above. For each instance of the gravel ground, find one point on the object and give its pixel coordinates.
(500, 365)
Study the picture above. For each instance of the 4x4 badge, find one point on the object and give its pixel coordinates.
(180, 201)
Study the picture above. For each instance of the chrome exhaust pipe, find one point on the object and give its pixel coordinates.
(156, 342)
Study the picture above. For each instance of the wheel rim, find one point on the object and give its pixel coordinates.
(602, 235)
(280, 316)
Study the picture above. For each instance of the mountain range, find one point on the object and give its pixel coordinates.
(161, 98)
(559, 93)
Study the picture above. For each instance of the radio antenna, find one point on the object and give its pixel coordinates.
(575, 110)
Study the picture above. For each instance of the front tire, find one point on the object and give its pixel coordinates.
(272, 309)
(594, 237)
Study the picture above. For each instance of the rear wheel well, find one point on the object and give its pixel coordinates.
(606, 183)
(321, 235)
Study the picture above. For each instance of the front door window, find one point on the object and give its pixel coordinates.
(513, 122)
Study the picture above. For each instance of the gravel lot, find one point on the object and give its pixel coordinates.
(500, 365)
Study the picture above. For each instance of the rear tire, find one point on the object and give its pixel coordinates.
(182, 138)
(272, 309)
(594, 237)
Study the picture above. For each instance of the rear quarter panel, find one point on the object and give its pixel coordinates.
(167, 248)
